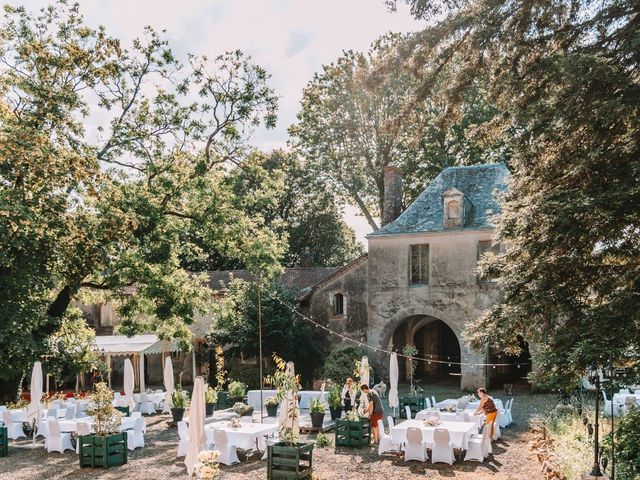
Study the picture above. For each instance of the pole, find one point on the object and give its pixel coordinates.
(613, 440)
(260, 343)
(595, 471)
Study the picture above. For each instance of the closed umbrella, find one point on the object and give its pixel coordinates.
(289, 406)
(129, 383)
(196, 426)
(364, 374)
(394, 401)
(33, 411)
(168, 384)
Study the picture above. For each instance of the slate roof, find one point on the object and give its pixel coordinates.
(297, 278)
(479, 183)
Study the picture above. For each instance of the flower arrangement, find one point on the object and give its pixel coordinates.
(316, 406)
(211, 395)
(180, 397)
(208, 467)
(235, 423)
(353, 416)
(242, 409)
(471, 398)
(106, 419)
(270, 401)
(449, 409)
(432, 422)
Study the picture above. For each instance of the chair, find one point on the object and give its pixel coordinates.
(56, 440)
(427, 402)
(146, 406)
(479, 446)
(442, 450)
(3, 408)
(390, 422)
(407, 410)
(135, 437)
(386, 443)
(629, 402)
(415, 448)
(228, 454)
(508, 412)
(41, 425)
(433, 401)
(52, 413)
(14, 429)
(496, 427)
(609, 406)
(70, 413)
(183, 443)
(82, 429)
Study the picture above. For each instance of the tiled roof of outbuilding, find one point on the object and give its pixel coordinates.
(479, 183)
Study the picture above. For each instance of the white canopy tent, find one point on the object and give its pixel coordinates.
(137, 345)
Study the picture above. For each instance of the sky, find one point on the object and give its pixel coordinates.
(292, 39)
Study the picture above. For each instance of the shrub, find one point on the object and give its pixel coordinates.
(339, 364)
(627, 437)
(250, 376)
(323, 440)
(211, 395)
(237, 389)
(243, 409)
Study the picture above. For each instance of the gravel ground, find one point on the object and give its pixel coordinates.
(511, 457)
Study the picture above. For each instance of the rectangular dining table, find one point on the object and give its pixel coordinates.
(246, 436)
(459, 432)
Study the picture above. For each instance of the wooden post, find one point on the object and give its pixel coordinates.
(141, 360)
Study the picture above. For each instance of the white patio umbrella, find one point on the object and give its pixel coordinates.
(168, 384)
(394, 401)
(196, 426)
(33, 410)
(288, 403)
(129, 383)
(364, 367)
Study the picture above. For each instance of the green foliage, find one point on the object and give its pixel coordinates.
(410, 351)
(179, 398)
(221, 373)
(236, 325)
(242, 409)
(71, 348)
(564, 76)
(104, 210)
(375, 121)
(287, 385)
(237, 389)
(106, 419)
(211, 395)
(316, 406)
(250, 376)
(339, 364)
(627, 446)
(334, 397)
(323, 440)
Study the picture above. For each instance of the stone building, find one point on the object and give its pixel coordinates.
(418, 282)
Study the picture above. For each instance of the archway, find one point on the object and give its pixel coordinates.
(511, 370)
(436, 343)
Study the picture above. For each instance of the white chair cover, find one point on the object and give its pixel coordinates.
(135, 437)
(407, 410)
(442, 450)
(479, 446)
(415, 448)
(228, 454)
(386, 443)
(14, 429)
(57, 441)
(390, 422)
(183, 443)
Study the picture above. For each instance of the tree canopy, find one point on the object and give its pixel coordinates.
(564, 75)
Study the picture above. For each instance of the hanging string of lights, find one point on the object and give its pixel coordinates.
(382, 350)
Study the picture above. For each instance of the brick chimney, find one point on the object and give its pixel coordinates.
(306, 259)
(392, 202)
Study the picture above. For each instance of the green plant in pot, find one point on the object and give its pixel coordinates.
(243, 409)
(335, 402)
(288, 458)
(317, 410)
(210, 398)
(237, 391)
(271, 404)
(179, 402)
(107, 446)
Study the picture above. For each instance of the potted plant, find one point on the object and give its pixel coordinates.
(288, 458)
(237, 391)
(317, 411)
(243, 409)
(271, 403)
(335, 402)
(210, 398)
(179, 401)
(107, 447)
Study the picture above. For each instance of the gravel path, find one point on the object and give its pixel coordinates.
(511, 457)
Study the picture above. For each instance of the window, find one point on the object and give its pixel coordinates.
(338, 304)
(487, 246)
(453, 210)
(419, 268)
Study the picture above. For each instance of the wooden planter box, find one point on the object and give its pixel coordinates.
(4, 442)
(105, 452)
(124, 410)
(415, 404)
(288, 462)
(352, 434)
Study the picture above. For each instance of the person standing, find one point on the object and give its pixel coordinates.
(376, 410)
(348, 395)
(488, 407)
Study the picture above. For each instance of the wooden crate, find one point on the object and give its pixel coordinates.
(4, 442)
(415, 404)
(124, 410)
(289, 462)
(352, 434)
(105, 452)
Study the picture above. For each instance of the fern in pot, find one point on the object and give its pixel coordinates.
(210, 398)
(317, 410)
(179, 402)
(335, 402)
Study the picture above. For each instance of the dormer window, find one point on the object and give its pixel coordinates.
(454, 206)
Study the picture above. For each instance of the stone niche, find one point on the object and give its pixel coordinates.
(454, 208)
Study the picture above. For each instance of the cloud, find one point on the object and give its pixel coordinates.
(298, 41)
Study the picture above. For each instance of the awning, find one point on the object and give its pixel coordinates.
(115, 345)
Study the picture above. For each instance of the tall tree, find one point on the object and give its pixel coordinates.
(354, 121)
(105, 208)
(565, 76)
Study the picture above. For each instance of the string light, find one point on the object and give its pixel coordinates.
(382, 350)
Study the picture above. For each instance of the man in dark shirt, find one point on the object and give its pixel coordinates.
(376, 410)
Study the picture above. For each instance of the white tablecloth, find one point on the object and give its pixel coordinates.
(458, 431)
(18, 414)
(72, 425)
(156, 398)
(619, 398)
(450, 417)
(253, 397)
(247, 436)
(454, 402)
